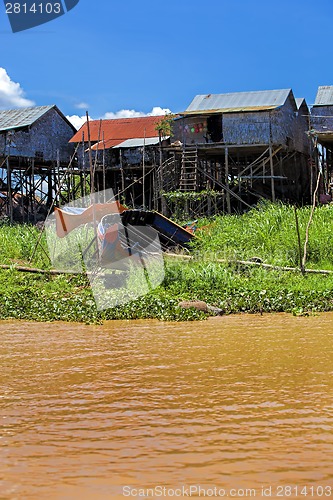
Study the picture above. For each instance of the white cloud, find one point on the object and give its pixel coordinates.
(131, 113)
(77, 121)
(11, 93)
(157, 111)
(82, 105)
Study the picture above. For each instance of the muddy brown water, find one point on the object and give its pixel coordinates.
(238, 406)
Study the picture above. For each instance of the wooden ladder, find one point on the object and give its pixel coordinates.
(189, 170)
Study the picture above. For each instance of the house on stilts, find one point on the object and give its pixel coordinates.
(321, 133)
(34, 158)
(241, 147)
(125, 155)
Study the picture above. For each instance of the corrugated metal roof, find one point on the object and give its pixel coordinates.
(119, 129)
(24, 117)
(230, 110)
(240, 101)
(300, 101)
(137, 143)
(324, 96)
(108, 144)
(129, 143)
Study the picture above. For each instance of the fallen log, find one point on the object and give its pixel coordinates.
(23, 269)
(272, 267)
(252, 263)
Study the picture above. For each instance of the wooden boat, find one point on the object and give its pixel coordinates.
(122, 232)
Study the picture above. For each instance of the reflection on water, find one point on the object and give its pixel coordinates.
(233, 402)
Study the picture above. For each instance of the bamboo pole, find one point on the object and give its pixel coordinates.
(9, 191)
(144, 171)
(92, 181)
(272, 172)
(226, 154)
(299, 241)
(122, 173)
(104, 173)
(310, 220)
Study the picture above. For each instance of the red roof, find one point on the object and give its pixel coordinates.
(118, 130)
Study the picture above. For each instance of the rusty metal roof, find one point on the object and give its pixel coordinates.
(239, 101)
(324, 96)
(118, 130)
(19, 118)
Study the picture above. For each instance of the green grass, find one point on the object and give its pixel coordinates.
(267, 232)
(17, 244)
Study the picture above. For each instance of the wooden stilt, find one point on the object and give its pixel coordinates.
(9, 191)
(272, 172)
(226, 165)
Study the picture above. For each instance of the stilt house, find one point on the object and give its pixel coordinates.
(125, 153)
(248, 145)
(34, 150)
(322, 136)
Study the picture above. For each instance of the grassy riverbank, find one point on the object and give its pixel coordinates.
(267, 232)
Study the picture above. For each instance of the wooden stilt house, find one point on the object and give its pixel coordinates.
(244, 145)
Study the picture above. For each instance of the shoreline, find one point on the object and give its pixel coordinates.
(245, 263)
(224, 320)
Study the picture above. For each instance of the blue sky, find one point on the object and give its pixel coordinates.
(114, 55)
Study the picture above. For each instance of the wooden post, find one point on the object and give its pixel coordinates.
(9, 191)
(49, 188)
(92, 180)
(281, 180)
(163, 202)
(104, 173)
(33, 189)
(81, 185)
(144, 171)
(299, 242)
(227, 179)
(122, 174)
(272, 171)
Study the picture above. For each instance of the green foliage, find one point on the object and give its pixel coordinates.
(181, 202)
(68, 298)
(164, 126)
(17, 244)
(235, 288)
(183, 196)
(269, 232)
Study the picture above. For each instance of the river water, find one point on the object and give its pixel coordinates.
(239, 406)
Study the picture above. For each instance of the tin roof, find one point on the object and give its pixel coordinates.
(128, 143)
(239, 101)
(106, 144)
(118, 130)
(324, 96)
(24, 117)
(139, 142)
(300, 101)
